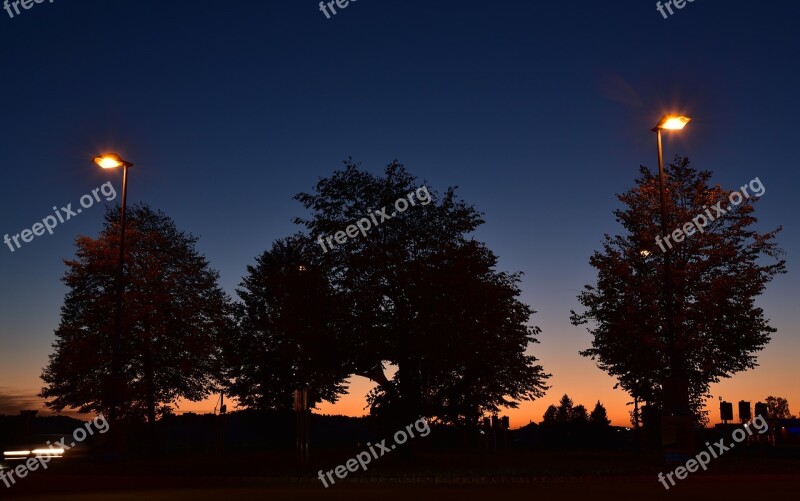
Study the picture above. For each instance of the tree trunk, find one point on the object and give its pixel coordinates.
(150, 391)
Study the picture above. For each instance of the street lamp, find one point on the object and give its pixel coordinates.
(113, 161)
(672, 122)
(675, 389)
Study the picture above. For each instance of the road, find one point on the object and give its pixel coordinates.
(728, 488)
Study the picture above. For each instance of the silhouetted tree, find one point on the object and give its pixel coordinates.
(778, 408)
(599, 417)
(550, 415)
(565, 410)
(579, 414)
(175, 315)
(717, 274)
(287, 339)
(423, 296)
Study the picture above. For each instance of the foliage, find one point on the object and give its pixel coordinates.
(175, 316)
(778, 408)
(717, 274)
(418, 293)
(287, 339)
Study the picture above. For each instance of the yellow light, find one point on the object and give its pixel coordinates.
(107, 162)
(110, 161)
(16, 453)
(644, 253)
(673, 122)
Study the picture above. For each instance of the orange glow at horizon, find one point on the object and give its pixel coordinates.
(748, 388)
(576, 376)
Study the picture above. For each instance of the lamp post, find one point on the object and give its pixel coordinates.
(112, 161)
(676, 438)
(301, 403)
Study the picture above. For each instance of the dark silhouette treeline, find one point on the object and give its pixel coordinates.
(417, 294)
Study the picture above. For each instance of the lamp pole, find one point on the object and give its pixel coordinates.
(676, 423)
(668, 300)
(301, 394)
(111, 161)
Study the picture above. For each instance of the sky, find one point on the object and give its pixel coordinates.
(540, 112)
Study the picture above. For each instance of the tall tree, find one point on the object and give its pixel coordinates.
(565, 410)
(717, 274)
(287, 338)
(599, 416)
(424, 296)
(778, 408)
(174, 318)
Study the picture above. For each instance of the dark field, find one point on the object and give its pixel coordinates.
(558, 475)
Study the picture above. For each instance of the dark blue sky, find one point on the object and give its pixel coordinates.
(539, 111)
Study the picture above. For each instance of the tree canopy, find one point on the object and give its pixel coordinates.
(778, 408)
(418, 292)
(717, 275)
(175, 316)
(287, 338)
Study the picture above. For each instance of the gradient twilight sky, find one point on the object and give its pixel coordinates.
(539, 111)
